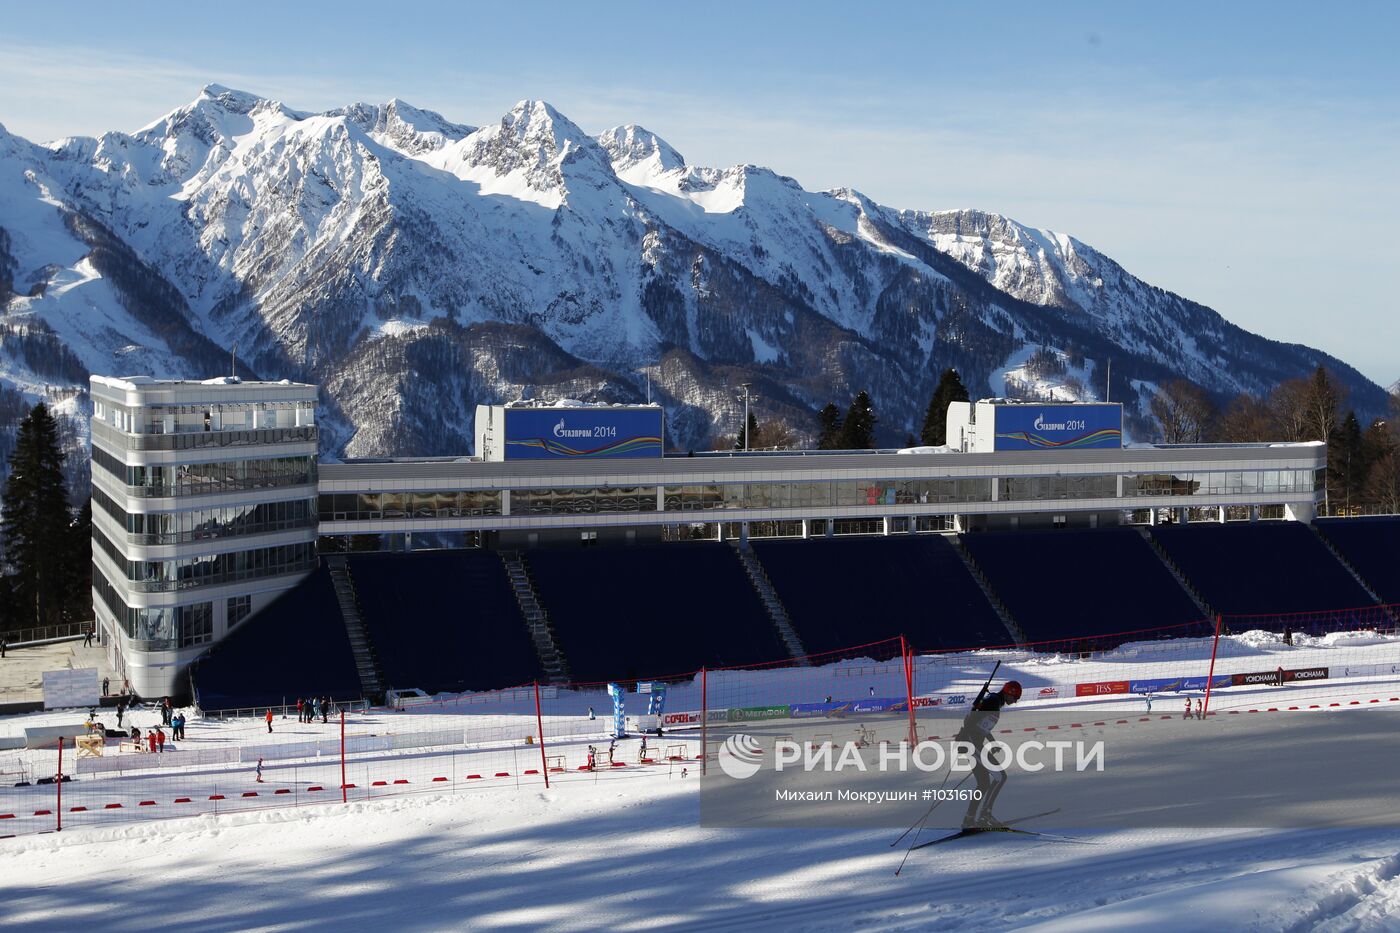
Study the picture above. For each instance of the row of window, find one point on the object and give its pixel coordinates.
(1029, 488)
(202, 479)
(1237, 482)
(228, 437)
(340, 507)
(207, 524)
(210, 570)
(165, 628)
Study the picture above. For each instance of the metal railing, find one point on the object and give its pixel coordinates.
(18, 637)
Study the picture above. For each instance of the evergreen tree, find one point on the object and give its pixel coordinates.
(950, 389)
(1346, 464)
(910, 440)
(747, 439)
(78, 605)
(36, 527)
(858, 429)
(829, 428)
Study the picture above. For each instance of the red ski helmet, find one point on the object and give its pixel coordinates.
(1012, 690)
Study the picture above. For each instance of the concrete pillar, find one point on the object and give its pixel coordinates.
(913, 524)
(831, 527)
(996, 489)
(1222, 515)
(885, 525)
(719, 531)
(1254, 513)
(743, 534)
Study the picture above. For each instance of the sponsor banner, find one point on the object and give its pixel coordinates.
(1102, 688)
(1048, 693)
(688, 718)
(1306, 673)
(817, 710)
(1199, 683)
(718, 715)
(925, 702)
(956, 699)
(1271, 677)
(582, 433)
(1056, 427)
(880, 705)
(756, 713)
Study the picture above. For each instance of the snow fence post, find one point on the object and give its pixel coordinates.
(58, 783)
(344, 797)
(907, 653)
(539, 726)
(704, 720)
(1210, 678)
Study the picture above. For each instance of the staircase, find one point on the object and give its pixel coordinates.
(371, 680)
(536, 619)
(769, 596)
(1206, 611)
(1013, 628)
(1355, 575)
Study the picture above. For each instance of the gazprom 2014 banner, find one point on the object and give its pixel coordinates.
(566, 434)
(1058, 427)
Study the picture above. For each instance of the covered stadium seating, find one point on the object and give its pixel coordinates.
(652, 610)
(841, 592)
(1073, 584)
(295, 647)
(1372, 547)
(1261, 567)
(444, 620)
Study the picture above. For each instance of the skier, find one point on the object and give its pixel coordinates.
(260, 780)
(977, 729)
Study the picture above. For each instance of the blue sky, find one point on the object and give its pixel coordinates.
(1244, 155)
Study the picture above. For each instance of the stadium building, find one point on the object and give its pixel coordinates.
(573, 546)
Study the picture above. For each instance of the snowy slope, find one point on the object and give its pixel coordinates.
(371, 246)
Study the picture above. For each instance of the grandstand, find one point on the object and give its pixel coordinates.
(652, 610)
(1372, 547)
(1261, 568)
(843, 591)
(443, 620)
(295, 647)
(1071, 584)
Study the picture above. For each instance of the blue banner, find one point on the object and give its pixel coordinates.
(582, 433)
(1055, 427)
(619, 711)
(657, 701)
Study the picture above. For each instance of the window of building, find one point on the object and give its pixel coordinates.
(239, 608)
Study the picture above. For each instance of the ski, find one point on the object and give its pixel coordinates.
(1007, 827)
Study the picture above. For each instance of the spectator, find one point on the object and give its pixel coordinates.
(87, 639)
(301, 713)
(106, 682)
(160, 739)
(315, 709)
(121, 709)
(179, 722)
(3, 645)
(151, 740)
(260, 780)
(1200, 709)
(136, 737)
(1187, 713)
(1288, 635)
(325, 708)
(592, 753)
(591, 715)
(269, 720)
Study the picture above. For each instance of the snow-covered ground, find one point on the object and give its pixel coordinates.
(624, 847)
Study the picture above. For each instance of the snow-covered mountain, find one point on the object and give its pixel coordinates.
(400, 259)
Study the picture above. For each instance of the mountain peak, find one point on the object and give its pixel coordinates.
(634, 146)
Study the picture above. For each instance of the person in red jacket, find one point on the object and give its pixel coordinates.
(160, 739)
(269, 719)
(151, 739)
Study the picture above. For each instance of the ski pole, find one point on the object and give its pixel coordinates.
(931, 807)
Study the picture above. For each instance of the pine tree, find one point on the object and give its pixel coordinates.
(747, 439)
(858, 429)
(1346, 464)
(36, 525)
(829, 428)
(950, 389)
